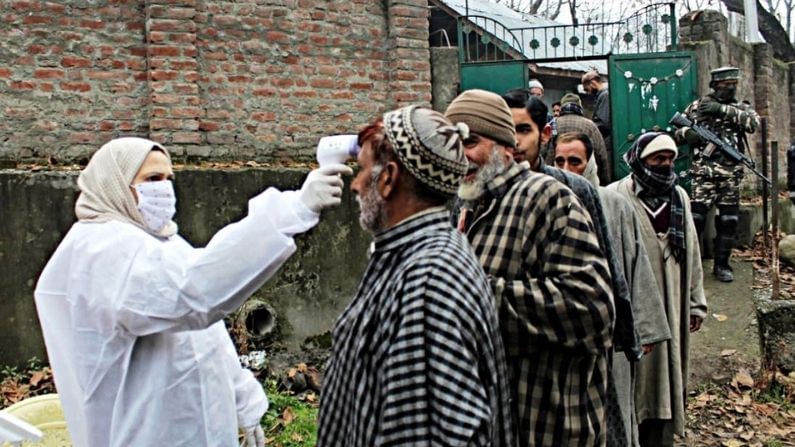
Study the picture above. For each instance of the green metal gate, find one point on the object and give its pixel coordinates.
(496, 77)
(645, 91)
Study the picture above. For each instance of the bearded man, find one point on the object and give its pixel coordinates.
(417, 358)
(550, 280)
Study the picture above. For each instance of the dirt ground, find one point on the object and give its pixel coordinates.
(732, 402)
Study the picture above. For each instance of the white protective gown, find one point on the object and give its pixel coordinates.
(134, 331)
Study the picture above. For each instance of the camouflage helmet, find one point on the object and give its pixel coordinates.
(725, 74)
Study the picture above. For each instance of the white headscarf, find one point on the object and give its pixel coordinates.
(105, 184)
(591, 172)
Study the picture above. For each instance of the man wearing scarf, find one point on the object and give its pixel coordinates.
(551, 280)
(623, 225)
(671, 243)
(417, 356)
(572, 120)
(716, 178)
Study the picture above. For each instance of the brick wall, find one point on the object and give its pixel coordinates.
(256, 79)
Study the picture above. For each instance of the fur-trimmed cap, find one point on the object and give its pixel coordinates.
(429, 146)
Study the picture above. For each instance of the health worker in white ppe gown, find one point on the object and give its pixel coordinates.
(132, 313)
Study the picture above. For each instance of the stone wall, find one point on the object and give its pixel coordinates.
(245, 79)
(446, 77)
(308, 293)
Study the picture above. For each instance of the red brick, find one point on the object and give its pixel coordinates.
(305, 94)
(81, 137)
(182, 37)
(106, 125)
(75, 86)
(47, 73)
(126, 125)
(361, 86)
(322, 83)
(22, 85)
(275, 36)
(157, 11)
(184, 65)
(175, 124)
(107, 75)
(164, 75)
(162, 98)
(74, 62)
(36, 49)
(263, 116)
(5, 73)
(218, 114)
(186, 112)
(282, 82)
(209, 126)
(172, 25)
(45, 86)
(37, 20)
(157, 36)
(163, 50)
(186, 138)
(92, 24)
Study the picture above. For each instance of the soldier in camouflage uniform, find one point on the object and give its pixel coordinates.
(716, 179)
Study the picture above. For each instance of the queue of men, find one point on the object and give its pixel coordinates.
(542, 310)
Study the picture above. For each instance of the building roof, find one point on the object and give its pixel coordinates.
(514, 20)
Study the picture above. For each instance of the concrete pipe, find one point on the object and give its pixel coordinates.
(257, 318)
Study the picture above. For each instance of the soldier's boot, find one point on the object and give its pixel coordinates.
(721, 269)
(725, 227)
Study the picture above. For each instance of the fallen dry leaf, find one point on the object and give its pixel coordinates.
(288, 415)
(743, 378)
(727, 352)
(720, 317)
(733, 443)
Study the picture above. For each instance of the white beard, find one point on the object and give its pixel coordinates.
(372, 216)
(475, 188)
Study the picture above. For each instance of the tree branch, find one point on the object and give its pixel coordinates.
(770, 28)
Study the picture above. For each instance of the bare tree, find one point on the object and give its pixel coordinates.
(771, 29)
(545, 8)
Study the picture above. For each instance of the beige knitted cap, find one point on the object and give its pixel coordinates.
(486, 114)
(571, 97)
(660, 142)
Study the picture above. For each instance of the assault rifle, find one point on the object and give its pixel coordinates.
(681, 120)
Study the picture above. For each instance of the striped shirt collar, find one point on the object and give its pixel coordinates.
(409, 228)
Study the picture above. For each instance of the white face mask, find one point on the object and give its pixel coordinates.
(156, 203)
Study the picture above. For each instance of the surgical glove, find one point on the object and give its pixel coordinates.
(323, 187)
(253, 437)
(710, 108)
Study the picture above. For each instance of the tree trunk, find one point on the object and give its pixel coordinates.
(770, 28)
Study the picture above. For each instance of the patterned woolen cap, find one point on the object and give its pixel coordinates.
(429, 146)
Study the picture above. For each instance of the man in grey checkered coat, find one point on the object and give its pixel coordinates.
(550, 279)
(417, 358)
